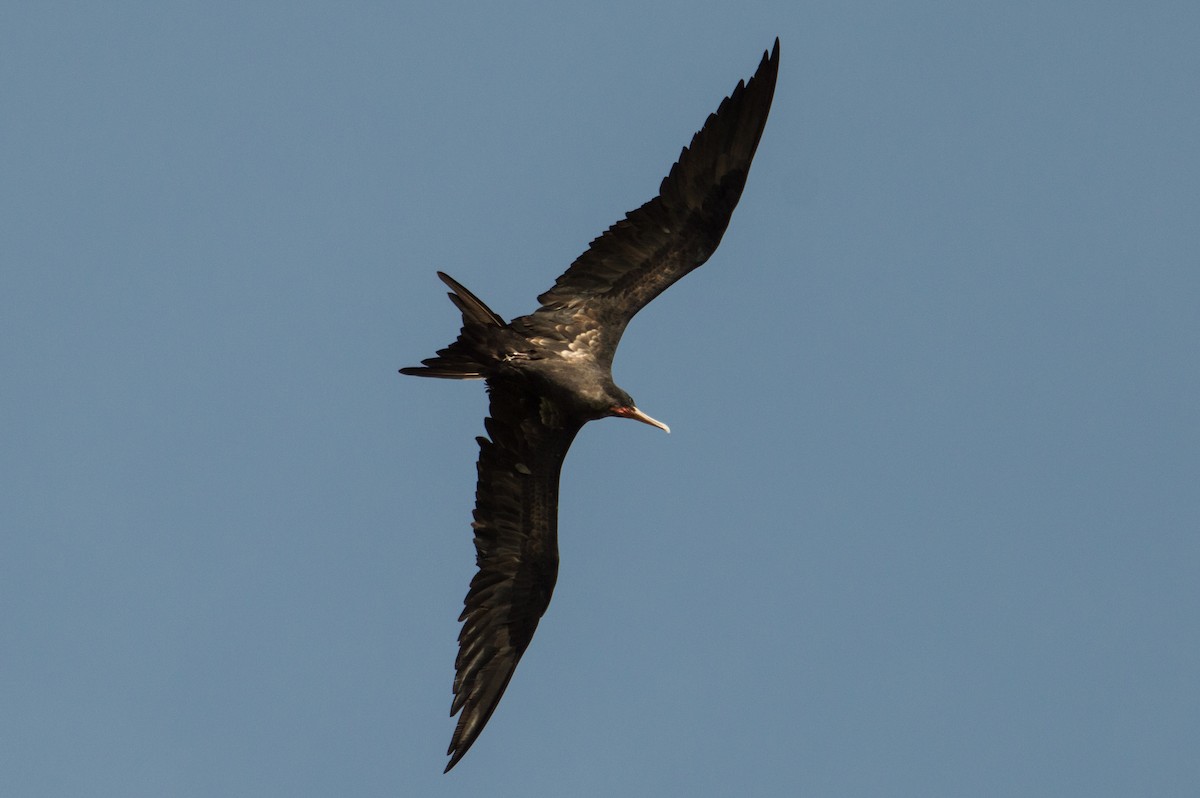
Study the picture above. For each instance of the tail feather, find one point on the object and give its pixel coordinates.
(465, 359)
(472, 307)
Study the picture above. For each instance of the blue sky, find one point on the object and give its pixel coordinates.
(927, 521)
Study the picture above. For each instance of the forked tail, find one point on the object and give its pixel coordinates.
(467, 358)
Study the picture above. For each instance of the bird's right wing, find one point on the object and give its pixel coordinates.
(642, 255)
(516, 543)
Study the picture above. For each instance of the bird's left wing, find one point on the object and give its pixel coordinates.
(516, 543)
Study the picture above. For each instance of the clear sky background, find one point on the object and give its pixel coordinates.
(928, 522)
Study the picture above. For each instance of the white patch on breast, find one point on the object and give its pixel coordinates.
(582, 347)
(573, 354)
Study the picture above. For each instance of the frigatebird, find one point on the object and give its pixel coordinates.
(550, 372)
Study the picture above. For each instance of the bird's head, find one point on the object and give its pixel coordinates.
(622, 406)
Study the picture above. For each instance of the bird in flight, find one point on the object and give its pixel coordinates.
(550, 372)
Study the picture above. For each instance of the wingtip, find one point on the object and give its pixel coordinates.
(771, 58)
(456, 751)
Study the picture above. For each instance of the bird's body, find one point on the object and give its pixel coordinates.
(549, 373)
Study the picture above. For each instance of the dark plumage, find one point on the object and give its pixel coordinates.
(549, 373)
